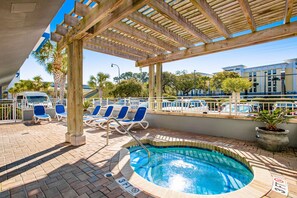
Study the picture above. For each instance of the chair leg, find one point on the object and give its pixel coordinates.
(118, 130)
(146, 124)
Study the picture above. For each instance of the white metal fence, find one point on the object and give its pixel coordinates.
(12, 110)
(221, 105)
(9, 111)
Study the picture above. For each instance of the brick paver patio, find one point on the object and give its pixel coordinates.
(35, 161)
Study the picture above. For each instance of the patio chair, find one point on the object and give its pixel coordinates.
(60, 112)
(108, 113)
(39, 114)
(121, 116)
(139, 119)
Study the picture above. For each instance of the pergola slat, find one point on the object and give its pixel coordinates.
(96, 48)
(177, 18)
(128, 7)
(130, 41)
(147, 22)
(144, 36)
(112, 45)
(212, 17)
(288, 11)
(244, 4)
(272, 34)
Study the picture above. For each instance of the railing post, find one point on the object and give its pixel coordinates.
(14, 109)
(230, 105)
(182, 104)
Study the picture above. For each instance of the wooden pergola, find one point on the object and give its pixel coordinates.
(152, 32)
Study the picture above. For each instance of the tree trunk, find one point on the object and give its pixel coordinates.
(100, 92)
(62, 88)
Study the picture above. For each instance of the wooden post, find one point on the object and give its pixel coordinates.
(159, 86)
(75, 131)
(151, 86)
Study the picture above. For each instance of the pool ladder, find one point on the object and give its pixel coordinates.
(127, 131)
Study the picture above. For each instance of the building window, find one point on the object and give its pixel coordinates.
(255, 74)
(269, 89)
(274, 71)
(269, 72)
(269, 83)
(250, 74)
(255, 89)
(274, 89)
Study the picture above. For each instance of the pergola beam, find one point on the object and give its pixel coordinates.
(97, 48)
(272, 34)
(81, 9)
(60, 29)
(176, 17)
(244, 4)
(98, 13)
(130, 41)
(144, 36)
(149, 23)
(288, 11)
(111, 45)
(56, 37)
(70, 20)
(212, 17)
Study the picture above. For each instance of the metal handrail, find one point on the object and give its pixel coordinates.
(107, 135)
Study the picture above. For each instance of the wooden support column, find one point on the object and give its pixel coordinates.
(75, 132)
(0, 92)
(151, 86)
(159, 86)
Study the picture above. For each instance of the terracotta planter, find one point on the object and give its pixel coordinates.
(272, 140)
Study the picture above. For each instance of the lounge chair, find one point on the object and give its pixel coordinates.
(121, 116)
(108, 113)
(60, 112)
(39, 114)
(139, 119)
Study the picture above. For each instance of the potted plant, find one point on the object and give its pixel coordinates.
(86, 105)
(271, 137)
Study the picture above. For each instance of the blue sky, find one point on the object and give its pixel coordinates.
(263, 54)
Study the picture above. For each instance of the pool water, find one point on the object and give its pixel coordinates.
(190, 170)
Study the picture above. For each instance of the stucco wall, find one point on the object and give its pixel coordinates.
(222, 127)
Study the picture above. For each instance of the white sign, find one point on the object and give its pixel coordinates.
(280, 185)
(125, 185)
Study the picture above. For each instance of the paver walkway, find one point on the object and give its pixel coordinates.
(35, 161)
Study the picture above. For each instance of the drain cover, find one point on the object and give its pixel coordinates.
(109, 174)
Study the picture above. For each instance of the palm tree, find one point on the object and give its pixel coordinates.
(55, 63)
(98, 82)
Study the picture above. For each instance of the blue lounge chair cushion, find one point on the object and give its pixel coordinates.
(96, 110)
(60, 109)
(108, 111)
(139, 114)
(39, 110)
(123, 112)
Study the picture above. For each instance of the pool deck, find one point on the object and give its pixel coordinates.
(35, 161)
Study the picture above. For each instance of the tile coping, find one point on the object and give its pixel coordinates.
(260, 185)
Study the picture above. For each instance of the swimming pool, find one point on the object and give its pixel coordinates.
(190, 170)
